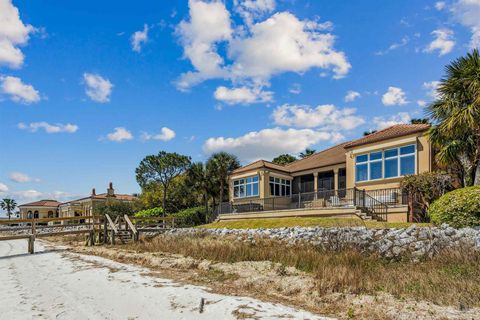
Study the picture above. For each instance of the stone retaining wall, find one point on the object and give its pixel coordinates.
(414, 242)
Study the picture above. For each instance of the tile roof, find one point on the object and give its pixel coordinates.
(328, 157)
(122, 197)
(395, 131)
(260, 164)
(42, 203)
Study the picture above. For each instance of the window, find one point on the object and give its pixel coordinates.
(280, 187)
(246, 187)
(389, 163)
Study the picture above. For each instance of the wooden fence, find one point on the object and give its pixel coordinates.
(98, 229)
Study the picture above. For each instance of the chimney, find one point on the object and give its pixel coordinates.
(93, 192)
(110, 190)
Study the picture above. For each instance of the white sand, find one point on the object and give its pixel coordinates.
(63, 285)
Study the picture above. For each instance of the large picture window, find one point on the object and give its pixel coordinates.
(385, 164)
(280, 187)
(246, 187)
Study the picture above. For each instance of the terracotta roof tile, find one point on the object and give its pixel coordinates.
(260, 164)
(395, 131)
(42, 203)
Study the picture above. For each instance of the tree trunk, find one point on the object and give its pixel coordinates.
(9, 214)
(221, 190)
(477, 175)
(205, 197)
(164, 201)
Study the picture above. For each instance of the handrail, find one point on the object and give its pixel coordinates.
(110, 222)
(41, 220)
(377, 208)
(131, 225)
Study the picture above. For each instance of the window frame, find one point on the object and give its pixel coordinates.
(383, 159)
(244, 183)
(282, 185)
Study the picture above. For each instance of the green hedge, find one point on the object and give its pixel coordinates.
(459, 208)
(190, 217)
(154, 212)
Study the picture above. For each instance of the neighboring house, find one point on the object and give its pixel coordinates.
(357, 177)
(79, 207)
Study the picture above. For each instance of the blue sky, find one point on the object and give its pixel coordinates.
(87, 89)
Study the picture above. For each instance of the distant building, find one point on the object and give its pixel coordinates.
(78, 207)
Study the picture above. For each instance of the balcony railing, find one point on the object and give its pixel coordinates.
(374, 203)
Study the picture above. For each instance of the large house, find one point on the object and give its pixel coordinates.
(357, 177)
(79, 207)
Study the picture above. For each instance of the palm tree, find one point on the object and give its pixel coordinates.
(8, 205)
(456, 114)
(308, 152)
(221, 165)
(200, 179)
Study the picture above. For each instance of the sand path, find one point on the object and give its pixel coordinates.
(57, 284)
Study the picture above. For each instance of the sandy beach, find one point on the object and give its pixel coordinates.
(57, 284)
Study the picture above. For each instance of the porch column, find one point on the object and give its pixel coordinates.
(315, 184)
(335, 180)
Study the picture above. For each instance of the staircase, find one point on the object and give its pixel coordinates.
(363, 215)
(124, 236)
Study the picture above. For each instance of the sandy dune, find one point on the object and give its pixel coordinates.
(56, 284)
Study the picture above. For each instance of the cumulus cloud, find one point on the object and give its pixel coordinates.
(139, 38)
(394, 46)
(253, 9)
(120, 134)
(242, 95)
(431, 88)
(18, 91)
(394, 96)
(166, 134)
(22, 177)
(3, 188)
(256, 50)
(268, 143)
(97, 88)
(443, 42)
(13, 33)
(385, 122)
(421, 103)
(352, 95)
(48, 128)
(467, 12)
(209, 24)
(326, 117)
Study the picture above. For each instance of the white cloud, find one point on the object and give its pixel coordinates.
(253, 9)
(49, 128)
(256, 51)
(165, 134)
(97, 88)
(120, 134)
(431, 88)
(382, 122)
(440, 5)
(3, 188)
(352, 95)
(209, 23)
(284, 43)
(403, 42)
(26, 194)
(268, 143)
(242, 95)
(421, 103)
(13, 33)
(22, 177)
(467, 12)
(139, 38)
(443, 42)
(295, 88)
(18, 91)
(326, 117)
(394, 96)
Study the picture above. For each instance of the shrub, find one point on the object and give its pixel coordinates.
(154, 212)
(459, 208)
(189, 217)
(116, 208)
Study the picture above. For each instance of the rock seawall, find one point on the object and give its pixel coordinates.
(396, 243)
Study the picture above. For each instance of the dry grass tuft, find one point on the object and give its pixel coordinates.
(450, 278)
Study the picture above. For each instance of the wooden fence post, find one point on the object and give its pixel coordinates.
(31, 244)
(105, 232)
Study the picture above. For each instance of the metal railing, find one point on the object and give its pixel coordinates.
(373, 202)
